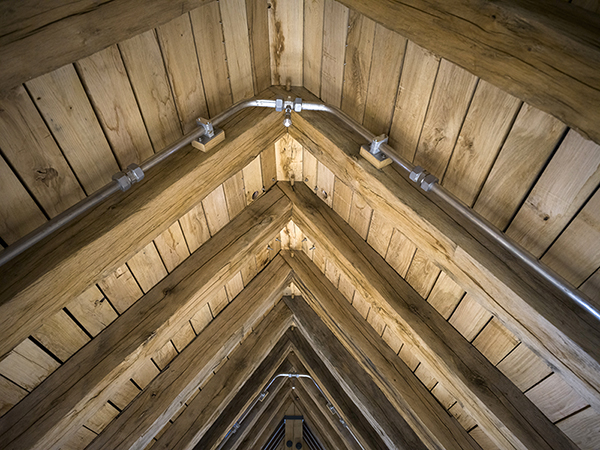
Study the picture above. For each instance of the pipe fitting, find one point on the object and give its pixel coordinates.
(428, 182)
(207, 125)
(417, 174)
(134, 174)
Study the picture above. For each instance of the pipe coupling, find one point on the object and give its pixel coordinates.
(423, 178)
(134, 174)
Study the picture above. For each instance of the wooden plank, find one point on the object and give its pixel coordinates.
(82, 437)
(102, 418)
(107, 86)
(146, 70)
(194, 227)
(483, 439)
(30, 149)
(325, 184)
(124, 394)
(557, 195)
(172, 247)
(286, 21)
(234, 194)
(443, 396)
(383, 82)
(121, 288)
(436, 341)
(27, 365)
(288, 157)
(107, 360)
(342, 197)
(145, 373)
(10, 394)
(215, 209)
(19, 214)
(258, 33)
(462, 416)
(555, 398)
(218, 302)
(400, 253)
(179, 53)
(147, 267)
(206, 24)
(495, 341)
(265, 425)
(183, 337)
(380, 233)
(32, 34)
(63, 103)
(359, 51)
(491, 49)
(516, 168)
(164, 356)
(445, 295)
(360, 215)
(335, 27)
(234, 286)
(450, 99)
(309, 170)
(250, 362)
(156, 405)
(376, 321)
(524, 368)
(361, 304)
(490, 116)
(268, 167)
(425, 376)
(313, 44)
(253, 180)
(416, 84)
(576, 253)
(201, 319)
(422, 274)
(591, 288)
(553, 329)
(237, 46)
(92, 310)
(582, 428)
(419, 416)
(469, 317)
(61, 336)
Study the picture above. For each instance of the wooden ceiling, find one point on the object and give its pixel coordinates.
(113, 328)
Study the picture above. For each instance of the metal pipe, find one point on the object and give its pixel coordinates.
(467, 213)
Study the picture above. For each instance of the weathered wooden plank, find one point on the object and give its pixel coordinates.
(591, 287)
(62, 101)
(342, 196)
(92, 310)
(237, 46)
(492, 49)
(359, 51)
(102, 418)
(27, 365)
(258, 34)
(288, 157)
(495, 341)
(171, 246)
(108, 359)
(524, 368)
(121, 288)
(590, 5)
(557, 195)
(178, 50)
(462, 416)
(335, 28)
(194, 227)
(19, 214)
(383, 82)
(137, 425)
(206, 24)
(132, 221)
(201, 319)
(452, 93)
(61, 336)
(37, 39)
(164, 355)
(416, 83)
(82, 437)
(183, 337)
(146, 70)
(469, 317)
(286, 22)
(10, 394)
(360, 215)
(107, 86)
(309, 170)
(422, 274)
(555, 398)
(530, 142)
(400, 253)
(30, 149)
(268, 166)
(583, 428)
(445, 295)
(215, 209)
(491, 113)
(325, 184)
(313, 44)
(234, 194)
(147, 267)
(253, 180)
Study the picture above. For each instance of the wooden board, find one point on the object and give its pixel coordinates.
(335, 28)
(286, 22)
(583, 428)
(258, 34)
(325, 184)
(92, 311)
(61, 336)
(416, 83)
(194, 227)
(108, 88)
(422, 274)
(469, 317)
(27, 365)
(380, 233)
(215, 209)
(163, 357)
(555, 398)
(313, 44)
(268, 165)
(445, 295)
(495, 341)
(360, 215)
(557, 195)
(288, 157)
(359, 51)
(237, 46)
(448, 106)
(146, 70)
(206, 25)
(530, 143)
(484, 130)
(147, 267)
(235, 194)
(178, 51)
(253, 182)
(61, 99)
(121, 288)
(342, 196)
(383, 81)
(30, 149)
(10, 394)
(524, 368)
(400, 253)
(172, 247)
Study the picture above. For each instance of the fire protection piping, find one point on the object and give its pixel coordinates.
(417, 174)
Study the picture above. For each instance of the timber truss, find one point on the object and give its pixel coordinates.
(198, 397)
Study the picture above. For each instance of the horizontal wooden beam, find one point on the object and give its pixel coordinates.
(547, 54)
(563, 334)
(36, 38)
(42, 280)
(72, 394)
(413, 401)
(256, 359)
(362, 429)
(137, 425)
(493, 400)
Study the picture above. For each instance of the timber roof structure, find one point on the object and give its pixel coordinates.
(157, 319)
